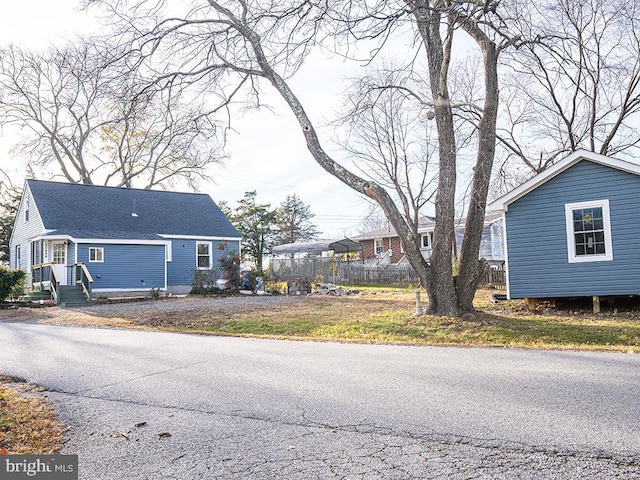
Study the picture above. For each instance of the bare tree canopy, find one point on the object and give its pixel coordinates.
(237, 43)
(574, 84)
(392, 139)
(86, 115)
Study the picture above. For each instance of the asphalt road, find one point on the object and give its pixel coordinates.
(144, 405)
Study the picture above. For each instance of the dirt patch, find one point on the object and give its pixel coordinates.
(164, 312)
(192, 312)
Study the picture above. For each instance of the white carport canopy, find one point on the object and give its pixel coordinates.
(346, 245)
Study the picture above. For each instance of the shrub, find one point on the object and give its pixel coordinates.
(275, 287)
(205, 291)
(11, 283)
(155, 293)
(203, 278)
(230, 268)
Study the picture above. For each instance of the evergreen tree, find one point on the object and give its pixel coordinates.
(255, 222)
(293, 222)
(9, 203)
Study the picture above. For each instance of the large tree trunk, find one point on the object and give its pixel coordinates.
(441, 285)
(448, 294)
(471, 268)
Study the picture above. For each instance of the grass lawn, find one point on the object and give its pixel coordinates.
(386, 316)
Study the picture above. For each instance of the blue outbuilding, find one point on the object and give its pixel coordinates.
(107, 240)
(572, 230)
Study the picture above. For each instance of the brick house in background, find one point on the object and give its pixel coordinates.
(383, 246)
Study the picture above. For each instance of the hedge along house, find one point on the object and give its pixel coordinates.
(572, 230)
(110, 240)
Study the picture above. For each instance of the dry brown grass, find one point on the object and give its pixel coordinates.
(28, 424)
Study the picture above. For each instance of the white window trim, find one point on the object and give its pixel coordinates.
(571, 241)
(378, 242)
(101, 254)
(422, 246)
(210, 246)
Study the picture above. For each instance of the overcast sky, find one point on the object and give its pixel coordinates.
(267, 152)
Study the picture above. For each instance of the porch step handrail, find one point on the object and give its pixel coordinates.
(38, 274)
(53, 285)
(84, 278)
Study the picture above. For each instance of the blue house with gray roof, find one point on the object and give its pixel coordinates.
(572, 230)
(104, 240)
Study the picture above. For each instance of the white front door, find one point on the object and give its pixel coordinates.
(59, 260)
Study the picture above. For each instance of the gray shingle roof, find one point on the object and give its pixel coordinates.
(91, 211)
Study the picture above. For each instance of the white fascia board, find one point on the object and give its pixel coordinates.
(53, 237)
(196, 237)
(501, 204)
(120, 241)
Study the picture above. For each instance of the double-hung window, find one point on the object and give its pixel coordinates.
(203, 255)
(588, 231)
(96, 254)
(425, 241)
(378, 246)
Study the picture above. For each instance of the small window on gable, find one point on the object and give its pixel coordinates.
(588, 231)
(203, 255)
(26, 210)
(425, 240)
(96, 254)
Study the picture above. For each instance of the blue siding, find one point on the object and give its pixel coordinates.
(131, 267)
(537, 238)
(183, 264)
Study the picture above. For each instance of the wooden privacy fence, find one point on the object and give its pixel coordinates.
(495, 277)
(384, 275)
(327, 269)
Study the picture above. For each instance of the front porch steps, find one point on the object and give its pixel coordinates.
(72, 296)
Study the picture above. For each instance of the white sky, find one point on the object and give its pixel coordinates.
(267, 154)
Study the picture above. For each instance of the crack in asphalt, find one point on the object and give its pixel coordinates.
(434, 442)
(139, 377)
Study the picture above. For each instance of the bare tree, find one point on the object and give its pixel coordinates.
(392, 140)
(219, 40)
(84, 114)
(575, 84)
